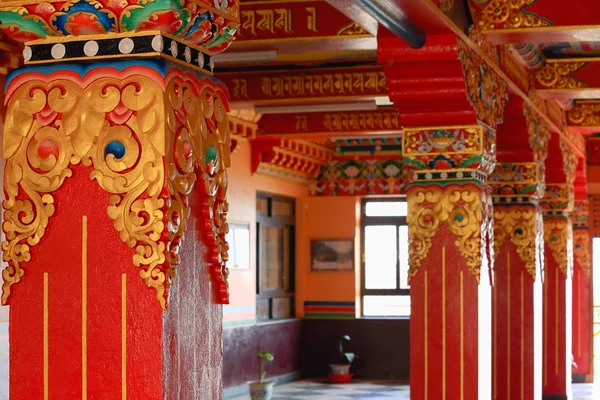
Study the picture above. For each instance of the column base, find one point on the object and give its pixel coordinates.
(554, 397)
(579, 378)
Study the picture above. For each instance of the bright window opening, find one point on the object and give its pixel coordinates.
(385, 289)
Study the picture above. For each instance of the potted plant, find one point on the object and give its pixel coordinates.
(340, 373)
(261, 389)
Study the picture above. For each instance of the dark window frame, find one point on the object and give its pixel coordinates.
(380, 221)
(269, 219)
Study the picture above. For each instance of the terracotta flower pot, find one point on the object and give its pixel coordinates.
(261, 390)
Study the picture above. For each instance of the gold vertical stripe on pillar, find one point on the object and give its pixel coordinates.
(577, 287)
(84, 238)
(425, 380)
(462, 338)
(508, 347)
(522, 335)
(556, 319)
(45, 312)
(444, 323)
(124, 336)
(546, 283)
(495, 344)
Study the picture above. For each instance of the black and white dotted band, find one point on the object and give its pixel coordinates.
(435, 175)
(118, 47)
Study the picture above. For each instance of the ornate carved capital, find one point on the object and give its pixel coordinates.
(465, 208)
(516, 183)
(558, 76)
(147, 137)
(207, 23)
(448, 153)
(501, 14)
(486, 90)
(584, 114)
(581, 250)
(558, 198)
(580, 216)
(558, 236)
(522, 225)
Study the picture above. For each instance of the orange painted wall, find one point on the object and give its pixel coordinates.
(330, 218)
(242, 209)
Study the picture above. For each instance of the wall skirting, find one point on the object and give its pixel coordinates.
(240, 390)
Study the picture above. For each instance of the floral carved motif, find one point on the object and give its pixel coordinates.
(503, 14)
(558, 76)
(558, 236)
(458, 206)
(519, 224)
(486, 90)
(581, 250)
(146, 145)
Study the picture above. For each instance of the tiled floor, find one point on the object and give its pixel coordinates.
(309, 390)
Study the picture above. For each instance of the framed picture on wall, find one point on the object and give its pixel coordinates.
(239, 246)
(332, 255)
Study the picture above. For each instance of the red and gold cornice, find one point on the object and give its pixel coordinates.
(296, 160)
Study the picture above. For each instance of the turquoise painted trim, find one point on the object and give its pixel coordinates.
(239, 323)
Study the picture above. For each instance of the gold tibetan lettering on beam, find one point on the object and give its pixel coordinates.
(351, 83)
(362, 121)
(558, 76)
(502, 14)
(277, 19)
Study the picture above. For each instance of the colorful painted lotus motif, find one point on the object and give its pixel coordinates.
(207, 23)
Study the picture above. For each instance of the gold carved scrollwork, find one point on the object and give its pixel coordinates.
(558, 76)
(486, 90)
(581, 250)
(145, 144)
(558, 237)
(458, 206)
(519, 224)
(504, 14)
(570, 160)
(585, 114)
(31, 177)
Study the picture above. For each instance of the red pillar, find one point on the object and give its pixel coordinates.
(100, 179)
(449, 229)
(516, 294)
(558, 242)
(582, 293)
